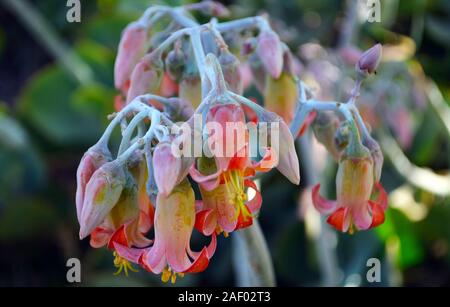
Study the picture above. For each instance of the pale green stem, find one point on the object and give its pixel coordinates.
(251, 258)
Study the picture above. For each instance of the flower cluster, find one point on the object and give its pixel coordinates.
(192, 144)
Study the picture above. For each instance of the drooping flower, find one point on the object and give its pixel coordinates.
(132, 216)
(223, 180)
(102, 193)
(92, 160)
(146, 77)
(355, 185)
(169, 170)
(171, 253)
(131, 49)
(270, 51)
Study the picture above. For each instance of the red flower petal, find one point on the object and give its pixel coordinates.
(204, 222)
(309, 119)
(377, 214)
(119, 236)
(202, 259)
(337, 219)
(245, 218)
(382, 197)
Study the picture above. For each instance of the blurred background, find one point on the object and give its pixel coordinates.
(56, 89)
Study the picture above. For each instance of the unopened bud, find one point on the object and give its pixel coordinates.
(102, 193)
(270, 50)
(230, 68)
(369, 60)
(132, 48)
(146, 77)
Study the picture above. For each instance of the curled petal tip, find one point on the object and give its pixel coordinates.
(322, 205)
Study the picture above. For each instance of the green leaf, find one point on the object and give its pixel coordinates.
(46, 104)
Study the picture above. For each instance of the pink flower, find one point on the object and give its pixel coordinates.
(92, 160)
(132, 216)
(354, 187)
(146, 77)
(131, 50)
(171, 253)
(224, 179)
(270, 51)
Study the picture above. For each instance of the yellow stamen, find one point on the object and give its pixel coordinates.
(122, 264)
(168, 274)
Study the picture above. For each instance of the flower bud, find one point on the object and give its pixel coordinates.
(102, 193)
(369, 60)
(167, 168)
(92, 160)
(270, 51)
(230, 68)
(280, 95)
(132, 48)
(324, 128)
(354, 184)
(146, 77)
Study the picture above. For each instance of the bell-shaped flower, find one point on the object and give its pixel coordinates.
(280, 95)
(146, 77)
(132, 48)
(102, 193)
(354, 186)
(270, 51)
(171, 253)
(131, 218)
(223, 179)
(169, 170)
(92, 160)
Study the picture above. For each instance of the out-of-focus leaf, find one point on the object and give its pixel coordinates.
(46, 104)
(94, 99)
(99, 58)
(397, 228)
(27, 218)
(106, 30)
